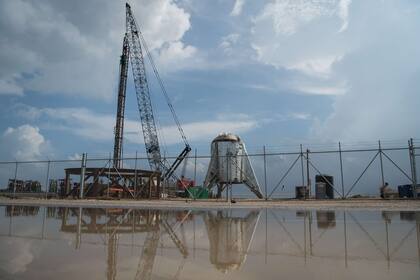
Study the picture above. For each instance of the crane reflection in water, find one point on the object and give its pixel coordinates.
(217, 243)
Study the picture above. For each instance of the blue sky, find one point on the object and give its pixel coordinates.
(275, 72)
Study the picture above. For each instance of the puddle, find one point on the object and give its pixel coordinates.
(94, 243)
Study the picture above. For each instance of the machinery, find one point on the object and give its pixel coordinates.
(132, 51)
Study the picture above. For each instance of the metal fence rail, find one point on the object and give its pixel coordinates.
(396, 163)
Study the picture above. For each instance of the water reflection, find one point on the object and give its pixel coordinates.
(325, 219)
(231, 244)
(230, 236)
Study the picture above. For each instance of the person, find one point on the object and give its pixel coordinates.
(383, 189)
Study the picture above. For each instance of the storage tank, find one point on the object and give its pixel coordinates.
(230, 164)
(325, 219)
(320, 190)
(329, 183)
(301, 192)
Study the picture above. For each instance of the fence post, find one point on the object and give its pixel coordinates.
(341, 171)
(47, 179)
(135, 176)
(308, 179)
(109, 174)
(195, 166)
(14, 182)
(82, 174)
(301, 165)
(227, 177)
(412, 154)
(381, 162)
(265, 174)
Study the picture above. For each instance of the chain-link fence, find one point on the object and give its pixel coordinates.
(346, 170)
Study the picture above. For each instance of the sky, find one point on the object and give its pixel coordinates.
(277, 73)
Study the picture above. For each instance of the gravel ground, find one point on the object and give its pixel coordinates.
(353, 204)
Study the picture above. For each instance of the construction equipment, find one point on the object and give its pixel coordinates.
(184, 184)
(132, 51)
(119, 126)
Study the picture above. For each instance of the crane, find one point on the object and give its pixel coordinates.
(133, 52)
(119, 126)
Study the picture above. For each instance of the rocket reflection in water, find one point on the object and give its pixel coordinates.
(230, 237)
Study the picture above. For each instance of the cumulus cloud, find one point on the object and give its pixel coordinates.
(321, 90)
(228, 42)
(237, 8)
(95, 126)
(9, 86)
(20, 256)
(319, 67)
(289, 15)
(23, 143)
(58, 47)
(382, 73)
(302, 36)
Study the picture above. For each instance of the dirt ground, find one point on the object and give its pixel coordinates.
(354, 204)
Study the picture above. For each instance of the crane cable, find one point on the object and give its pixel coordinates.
(168, 101)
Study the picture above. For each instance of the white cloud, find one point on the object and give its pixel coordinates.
(75, 156)
(23, 143)
(300, 116)
(322, 90)
(237, 8)
(8, 86)
(343, 12)
(382, 99)
(176, 55)
(302, 36)
(289, 15)
(73, 49)
(319, 67)
(94, 126)
(19, 256)
(228, 42)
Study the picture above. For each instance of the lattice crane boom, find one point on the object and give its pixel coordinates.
(119, 126)
(144, 103)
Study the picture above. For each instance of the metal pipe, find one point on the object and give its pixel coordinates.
(46, 180)
(43, 223)
(195, 165)
(341, 171)
(227, 178)
(361, 175)
(82, 175)
(206, 157)
(284, 176)
(412, 150)
(304, 234)
(381, 162)
(79, 229)
(345, 239)
(308, 179)
(135, 177)
(266, 235)
(301, 165)
(396, 165)
(387, 244)
(14, 182)
(265, 175)
(109, 176)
